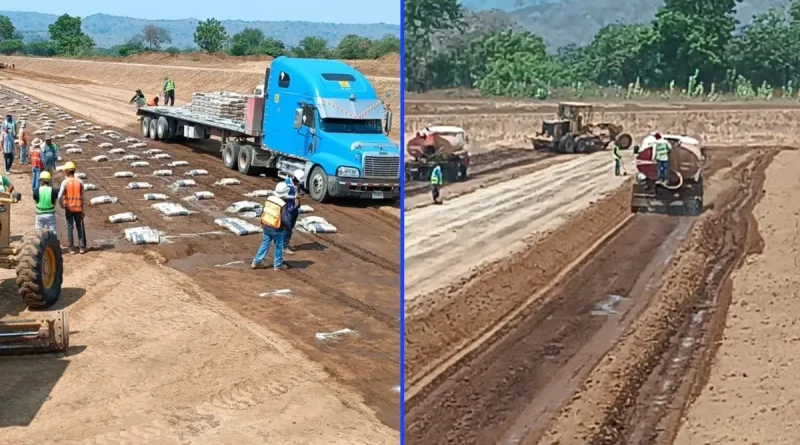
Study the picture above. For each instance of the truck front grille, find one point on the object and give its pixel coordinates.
(381, 166)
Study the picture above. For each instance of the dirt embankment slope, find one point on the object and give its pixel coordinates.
(155, 359)
(150, 77)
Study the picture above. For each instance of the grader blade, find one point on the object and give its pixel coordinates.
(35, 336)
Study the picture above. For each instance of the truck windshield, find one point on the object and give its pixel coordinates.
(360, 126)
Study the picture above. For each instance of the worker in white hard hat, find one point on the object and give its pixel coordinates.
(274, 219)
(293, 205)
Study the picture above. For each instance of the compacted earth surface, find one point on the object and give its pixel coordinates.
(539, 310)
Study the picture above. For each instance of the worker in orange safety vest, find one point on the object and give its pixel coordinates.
(71, 199)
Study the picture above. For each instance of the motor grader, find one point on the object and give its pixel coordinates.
(573, 131)
(39, 265)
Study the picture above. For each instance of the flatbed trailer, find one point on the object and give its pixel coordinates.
(338, 141)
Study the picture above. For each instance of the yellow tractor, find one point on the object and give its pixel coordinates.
(573, 131)
(39, 264)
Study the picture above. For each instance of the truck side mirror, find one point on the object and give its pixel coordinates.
(298, 118)
(387, 127)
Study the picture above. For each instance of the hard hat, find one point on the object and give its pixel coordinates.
(281, 190)
(45, 176)
(70, 166)
(300, 175)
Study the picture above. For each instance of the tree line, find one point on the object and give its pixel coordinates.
(692, 48)
(68, 39)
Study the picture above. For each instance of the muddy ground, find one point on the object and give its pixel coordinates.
(345, 280)
(569, 339)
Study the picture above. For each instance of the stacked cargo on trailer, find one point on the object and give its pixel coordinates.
(321, 116)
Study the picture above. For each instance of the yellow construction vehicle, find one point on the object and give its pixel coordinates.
(39, 264)
(573, 131)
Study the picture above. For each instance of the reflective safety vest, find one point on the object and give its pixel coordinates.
(617, 157)
(271, 215)
(661, 150)
(169, 85)
(45, 204)
(436, 176)
(73, 201)
(36, 159)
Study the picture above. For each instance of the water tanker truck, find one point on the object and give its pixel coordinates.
(682, 194)
(319, 116)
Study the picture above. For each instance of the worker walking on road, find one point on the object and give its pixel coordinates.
(70, 197)
(274, 218)
(293, 206)
(619, 167)
(169, 92)
(23, 144)
(661, 150)
(7, 139)
(36, 162)
(436, 182)
(45, 198)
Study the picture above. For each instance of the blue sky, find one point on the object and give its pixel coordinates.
(336, 11)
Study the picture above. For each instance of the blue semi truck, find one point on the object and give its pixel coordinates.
(321, 116)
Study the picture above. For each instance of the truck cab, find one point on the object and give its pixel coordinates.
(324, 117)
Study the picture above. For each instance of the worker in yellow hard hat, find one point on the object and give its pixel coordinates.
(45, 199)
(71, 199)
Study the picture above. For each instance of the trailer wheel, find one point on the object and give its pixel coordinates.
(318, 184)
(173, 127)
(230, 155)
(162, 128)
(154, 130)
(245, 159)
(146, 126)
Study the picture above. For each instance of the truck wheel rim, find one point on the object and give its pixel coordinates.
(317, 185)
(49, 268)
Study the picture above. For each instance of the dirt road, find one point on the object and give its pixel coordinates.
(751, 392)
(348, 280)
(472, 230)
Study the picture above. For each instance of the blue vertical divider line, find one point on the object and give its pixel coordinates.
(402, 126)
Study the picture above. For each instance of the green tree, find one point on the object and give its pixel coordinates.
(68, 37)
(423, 20)
(7, 30)
(693, 35)
(132, 46)
(41, 48)
(172, 51)
(312, 48)
(247, 42)
(272, 47)
(353, 47)
(11, 46)
(210, 35)
(384, 46)
(154, 36)
(619, 54)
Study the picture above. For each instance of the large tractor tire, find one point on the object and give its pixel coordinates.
(40, 268)
(567, 144)
(624, 141)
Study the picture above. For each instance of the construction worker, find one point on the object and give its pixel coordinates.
(274, 218)
(11, 125)
(23, 144)
(48, 152)
(5, 185)
(293, 206)
(36, 162)
(661, 150)
(436, 182)
(169, 92)
(619, 168)
(70, 198)
(139, 99)
(45, 198)
(7, 139)
(153, 102)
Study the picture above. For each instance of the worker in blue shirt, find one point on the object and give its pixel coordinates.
(436, 183)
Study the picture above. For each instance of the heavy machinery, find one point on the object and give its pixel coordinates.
(682, 194)
(448, 150)
(573, 131)
(39, 265)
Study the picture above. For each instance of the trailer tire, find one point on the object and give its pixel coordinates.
(245, 159)
(162, 128)
(154, 129)
(230, 155)
(173, 127)
(318, 184)
(40, 268)
(146, 126)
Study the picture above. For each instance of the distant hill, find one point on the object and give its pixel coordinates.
(108, 30)
(562, 22)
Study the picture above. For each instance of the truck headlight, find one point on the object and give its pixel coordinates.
(347, 172)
